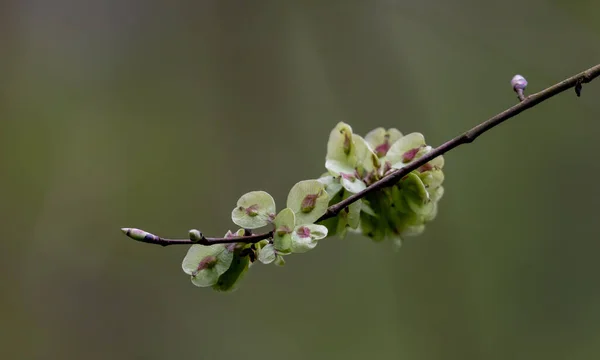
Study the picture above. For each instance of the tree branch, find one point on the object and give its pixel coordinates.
(394, 177)
(470, 136)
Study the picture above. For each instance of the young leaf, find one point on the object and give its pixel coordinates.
(308, 200)
(206, 263)
(305, 237)
(254, 209)
(284, 222)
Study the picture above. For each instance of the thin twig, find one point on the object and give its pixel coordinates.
(146, 237)
(469, 136)
(394, 177)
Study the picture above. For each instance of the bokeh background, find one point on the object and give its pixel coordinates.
(159, 115)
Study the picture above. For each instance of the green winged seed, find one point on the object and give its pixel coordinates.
(366, 159)
(349, 217)
(332, 223)
(284, 223)
(432, 212)
(308, 200)
(366, 207)
(418, 205)
(254, 209)
(353, 184)
(405, 150)
(279, 261)
(332, 184)
(381, 140)
(437, 162)
(413, 230)
(206, 263)
(229, 280)
(415, 195)
(436, 193)
(398, 201)
(305, 237)
(341, 152)
(413, 183)
(372, 227)
(432, 178)
(353, 214)
(267, 254)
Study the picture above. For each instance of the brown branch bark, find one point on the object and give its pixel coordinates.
(527, 102)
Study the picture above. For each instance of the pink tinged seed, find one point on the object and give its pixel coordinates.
(303, 231)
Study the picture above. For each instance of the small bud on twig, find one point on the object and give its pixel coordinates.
(139, 235)
(195, 235)
(519, 84)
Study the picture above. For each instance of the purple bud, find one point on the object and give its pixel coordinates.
(410, 155)
(303, 232)
(252, 210)
(518, 82)
(282, 230)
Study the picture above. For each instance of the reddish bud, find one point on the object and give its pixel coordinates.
(282, 230)
(308, 203)
(206, 263)
(382, 149)
(426, 167)
(410, 155)
(303, 231)
(348, 176)
(252, 210)
(347, 143)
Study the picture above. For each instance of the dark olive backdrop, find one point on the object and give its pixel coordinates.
(136, 113)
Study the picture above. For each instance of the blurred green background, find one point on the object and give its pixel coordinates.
(159, 115)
